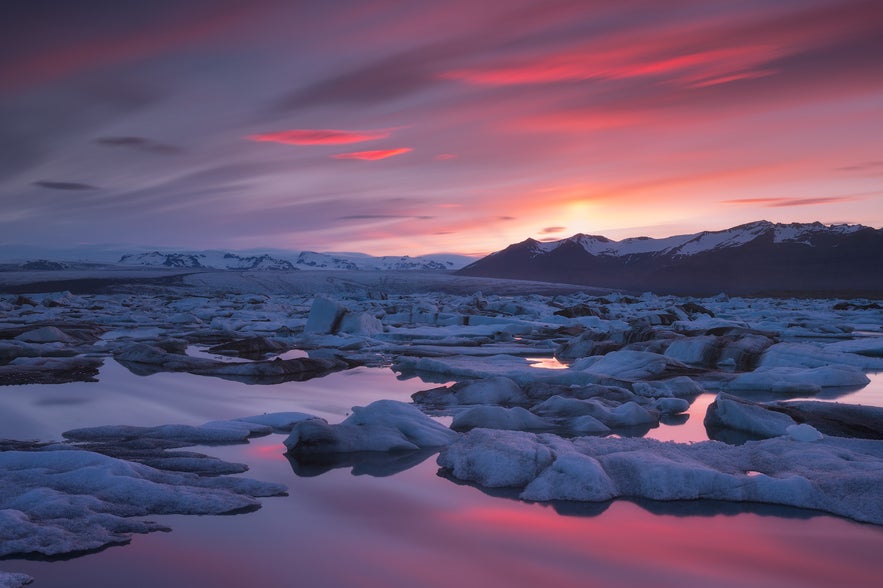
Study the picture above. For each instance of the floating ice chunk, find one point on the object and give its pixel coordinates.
(325, 316)
(587, 425)
(695, 350)
(49, 370)
(275, 369)
(498, 417)
(495, 390)
(681, 386)
(834, 418)
(252, 347)
(839, 476)
(497, 458)
(631, 414)
(803, 432)
(48, 334)
(251, 428)
(867, 346)
(809, 355)
(12, 580)
(626, 414)
(384, 425)
(61, 500)
(572, 476)
(209, 433)
(634, 365)
(279, 421)
(671, 405)
(361, 323)
(794, 380)
(328, 316)
(561, 406)
(731, 412)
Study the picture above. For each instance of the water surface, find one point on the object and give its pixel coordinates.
(415, 528)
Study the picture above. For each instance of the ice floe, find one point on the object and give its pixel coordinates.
(138, 355)
(795, 380)
(384, 425)
(13, 580)
(59, 499)
(835, 475)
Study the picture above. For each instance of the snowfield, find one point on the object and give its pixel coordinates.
(545, 389)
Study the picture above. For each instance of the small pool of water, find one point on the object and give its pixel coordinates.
(549, 363)
(692, 428)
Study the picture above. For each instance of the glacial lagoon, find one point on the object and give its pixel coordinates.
(414, 527)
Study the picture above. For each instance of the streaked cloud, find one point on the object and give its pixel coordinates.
(497, 120)
(373, 155)
(139, 144)
(786, 202)
(64, 185)
(319, 136)
(384, 217)
(865, 166)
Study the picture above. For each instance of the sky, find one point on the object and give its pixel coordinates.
(411, 127)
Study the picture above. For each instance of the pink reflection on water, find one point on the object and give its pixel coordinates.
(549, 363)
(273, 452)
(747, 549)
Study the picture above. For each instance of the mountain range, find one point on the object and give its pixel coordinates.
(308, 260)
(750, 259)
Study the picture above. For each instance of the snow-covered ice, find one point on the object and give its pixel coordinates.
(835, 475)
(12, 580)
(384, 425)
(59, 499)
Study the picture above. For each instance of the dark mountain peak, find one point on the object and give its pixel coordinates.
(753, 258)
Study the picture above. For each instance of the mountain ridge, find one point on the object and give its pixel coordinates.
(304, 260)
(753, 258)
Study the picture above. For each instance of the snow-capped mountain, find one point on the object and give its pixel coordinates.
(212, 259)
(307, 260)
(747, 259)
(360, 261)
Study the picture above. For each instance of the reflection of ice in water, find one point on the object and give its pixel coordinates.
(415, 528)
(549, 363)
(340, 515)
(195, 351)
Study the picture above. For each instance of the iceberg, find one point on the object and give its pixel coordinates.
(384, 425)
(59, 499)
(834, 475)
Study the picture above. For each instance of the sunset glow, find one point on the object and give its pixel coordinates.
(491, 122)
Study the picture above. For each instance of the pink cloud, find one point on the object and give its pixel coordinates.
(318, 136)
(783, 202)
(372, 155)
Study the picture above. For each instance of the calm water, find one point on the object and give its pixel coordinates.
(415, 528)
